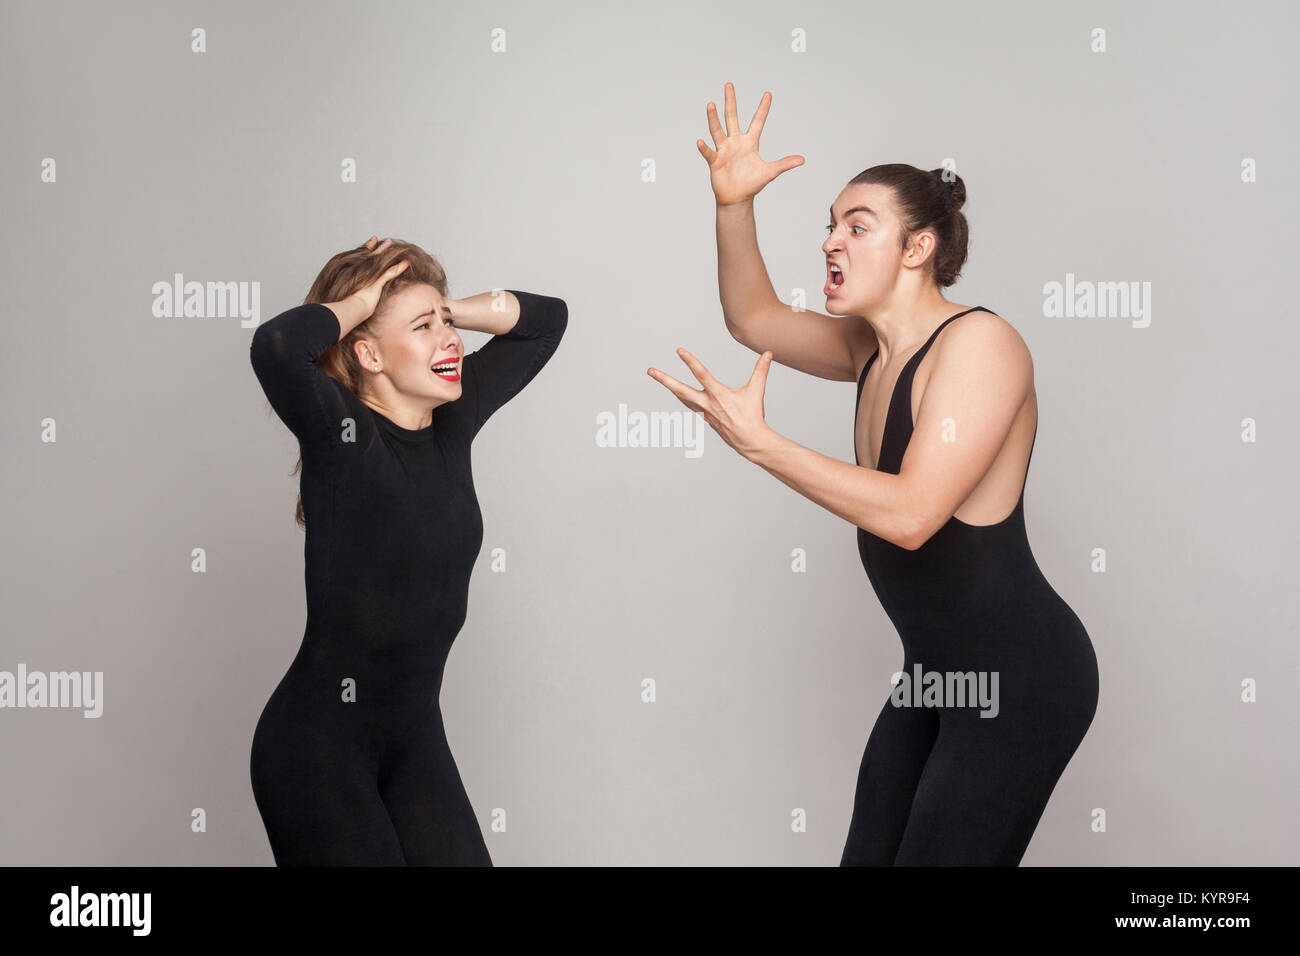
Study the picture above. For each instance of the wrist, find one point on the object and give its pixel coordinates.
(764, 446)
(739, 206)
(350, 310)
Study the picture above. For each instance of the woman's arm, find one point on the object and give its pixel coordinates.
(828, 346)
(494, 312)
(526, 330)
(874, 501)
(981, 377)
(833, 347)
(284, 351)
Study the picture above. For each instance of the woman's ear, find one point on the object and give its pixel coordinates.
(365, 355)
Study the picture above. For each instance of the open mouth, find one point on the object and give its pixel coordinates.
(834, 279)
(446, 371)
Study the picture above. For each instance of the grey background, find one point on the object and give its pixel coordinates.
(523, 170)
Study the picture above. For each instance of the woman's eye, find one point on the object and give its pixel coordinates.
(422, 325)
(860, 227)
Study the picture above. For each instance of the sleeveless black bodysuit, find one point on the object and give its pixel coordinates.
(942, 785)
(350, 764)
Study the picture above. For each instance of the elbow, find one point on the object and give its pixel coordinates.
(267, 350)
(913, 523)
(554, 314)
(736, 331)
(913, 532)
(266, 338)
(558, 321)
(262, 351)
(257, 348)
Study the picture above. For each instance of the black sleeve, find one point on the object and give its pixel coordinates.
(283, 352)
(499, 370)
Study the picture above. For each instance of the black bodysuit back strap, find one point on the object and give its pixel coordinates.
(898, 419)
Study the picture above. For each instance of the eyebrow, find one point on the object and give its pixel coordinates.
(446, 310)
(848, 212)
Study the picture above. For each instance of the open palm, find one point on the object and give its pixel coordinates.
(736, 171)
(736, 414)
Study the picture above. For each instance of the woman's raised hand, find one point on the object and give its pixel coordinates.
(369, 295)
(735, 170)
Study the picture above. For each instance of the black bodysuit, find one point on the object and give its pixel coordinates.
(393, 532)
(943, 785)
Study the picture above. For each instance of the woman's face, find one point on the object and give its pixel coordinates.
(414, 334)
(863, 242)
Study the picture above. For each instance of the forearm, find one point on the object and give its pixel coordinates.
(743, 284)
(872, 500)
(350, 312)
(515, 353)
(478, 314)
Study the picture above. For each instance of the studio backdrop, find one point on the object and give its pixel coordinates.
(669, 657)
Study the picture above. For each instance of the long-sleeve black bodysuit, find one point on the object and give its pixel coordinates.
(350, 764)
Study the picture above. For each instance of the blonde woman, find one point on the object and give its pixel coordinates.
(350, 763)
